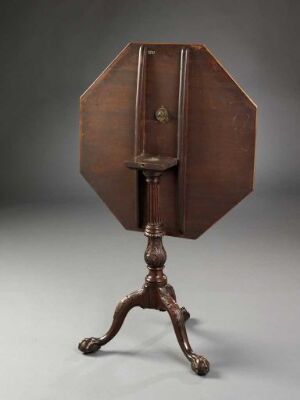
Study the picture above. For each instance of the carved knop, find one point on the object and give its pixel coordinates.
(155, 254)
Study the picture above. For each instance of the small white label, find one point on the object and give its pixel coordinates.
(151, 51)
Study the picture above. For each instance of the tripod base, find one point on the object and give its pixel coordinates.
(155, 296)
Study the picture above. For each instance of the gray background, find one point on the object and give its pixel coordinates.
(63, 256)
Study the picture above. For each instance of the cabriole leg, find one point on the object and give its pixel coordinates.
(92, 344)
(199, 363)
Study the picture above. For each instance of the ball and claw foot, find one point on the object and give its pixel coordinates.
(186, 314)
(89, 345)
(199, 365)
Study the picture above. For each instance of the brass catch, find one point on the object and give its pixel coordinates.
(162, 114)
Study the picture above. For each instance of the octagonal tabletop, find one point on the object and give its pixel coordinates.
(174, 101)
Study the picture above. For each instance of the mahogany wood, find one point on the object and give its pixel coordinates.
(156, 293)
(185, 130)
(210, 130)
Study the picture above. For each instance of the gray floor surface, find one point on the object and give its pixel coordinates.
(64, 267)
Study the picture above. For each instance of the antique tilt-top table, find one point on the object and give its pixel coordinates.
(167, 142)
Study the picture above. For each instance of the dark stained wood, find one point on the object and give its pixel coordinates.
(156, 293)
(140, 103)
(167, 141)
(210, 130)
(156, 163)
(182, 139)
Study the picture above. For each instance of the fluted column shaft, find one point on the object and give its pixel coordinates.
(155, 254)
